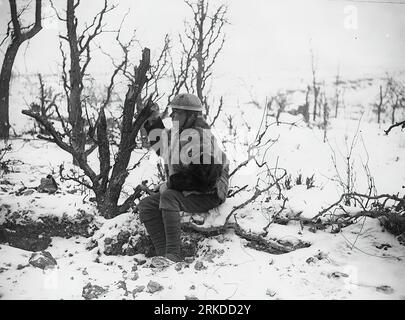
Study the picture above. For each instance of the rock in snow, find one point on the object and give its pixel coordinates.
(28, 192)
(138, 289)
(92, 291)
(270, 292)
(42, 260)
(154, 286)
(160, 262)
(199, 266)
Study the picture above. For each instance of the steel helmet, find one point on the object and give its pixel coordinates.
(186, 101)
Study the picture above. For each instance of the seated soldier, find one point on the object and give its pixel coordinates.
(197, 173)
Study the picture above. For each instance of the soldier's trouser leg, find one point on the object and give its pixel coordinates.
(171, 221)
(171, 203)
(151, 217)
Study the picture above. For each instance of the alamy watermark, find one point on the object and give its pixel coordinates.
(351, 21)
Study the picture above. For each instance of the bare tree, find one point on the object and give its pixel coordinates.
(325, 106)
(18, 36)
(396, 96)
(346, 179)
(230, 124)
(158, 71)
(338, 92)
(79, 59)
(305, 106)
(315, 86)
(47, 102)
(201, 44)
(107, 184)
(379, 106)
(113, 169)
(281, 100)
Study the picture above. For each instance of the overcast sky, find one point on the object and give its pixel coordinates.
(264, 37)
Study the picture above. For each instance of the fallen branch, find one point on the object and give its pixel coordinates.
(273, 246)
(256, 241)
(402, 124)
(354, 195)
(265, 229)
(231, 194)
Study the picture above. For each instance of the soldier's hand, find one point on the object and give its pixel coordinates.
(161, 187)
(155, 112)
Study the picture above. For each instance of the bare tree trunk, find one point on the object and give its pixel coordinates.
(394, 107)
(325, 119)
(78, 137)
(5, 78)
(42, 98)
(109, 205)
(305, 111)
(314, 87)
(379, 106)
(199, 54)
(316, 90)
(337, 94)
(17, 38)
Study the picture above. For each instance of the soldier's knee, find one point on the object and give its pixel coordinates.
(147, 209)
(169, 199)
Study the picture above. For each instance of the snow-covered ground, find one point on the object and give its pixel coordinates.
(266, 54)
(335, 271)
(362, 261)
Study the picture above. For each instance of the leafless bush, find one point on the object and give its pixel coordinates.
(201, 45)
(380, 106)
(338, 92)
(325, 107)
(258, 144)
(231, 124)
(6, 166)
(288, 182)
(113, 169)
(108, 183)
(396, 96)
(281, 101)
(47, 105)
(315, 86)
(347, 179)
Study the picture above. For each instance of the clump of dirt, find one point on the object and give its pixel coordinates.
(21, 232)
(128, 244)
(394, 222)
(92, 291)
(277, 247)
(144, 245)
(401, 239)
(190, 243)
